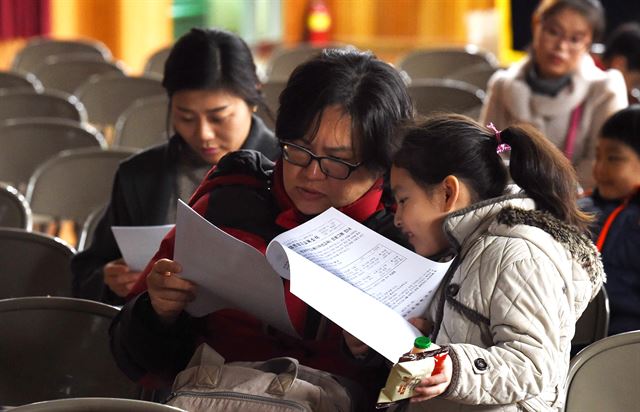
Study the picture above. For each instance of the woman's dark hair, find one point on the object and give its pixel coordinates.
(450, 144)
(212, 59)
(624, 41)
(624, 126)
(591, 10)
(369, 90)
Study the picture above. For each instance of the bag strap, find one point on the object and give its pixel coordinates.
(286, 371)
(205, 355)
(208, 364)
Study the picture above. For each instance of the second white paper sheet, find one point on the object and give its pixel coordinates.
(229, 273)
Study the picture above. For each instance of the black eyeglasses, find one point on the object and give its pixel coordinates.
(301, 156)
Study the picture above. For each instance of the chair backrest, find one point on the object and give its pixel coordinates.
(605, 375)
(107, 96)
(38, 49)
(143, 124)
(74, 182)
(593, 325)
(89, 227)
(13, 80)
(435, 95)
(33, 264)
(477, 75)
(14, 209)
(438, 63)
(27, 143)
(154, 65)
(271, 90)
(66, 74)
(23, 103)
(284, 60)
(56, 348)
(96, 405)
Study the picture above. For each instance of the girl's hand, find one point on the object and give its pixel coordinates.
(434, 385)
(169, 294)
(356, 346)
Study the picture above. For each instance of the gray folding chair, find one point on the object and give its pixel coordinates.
(284, 60)
(56, 348)
(271, 90)
(144, 123)
(66, 74)
(14, 209)
(444, 95)
(74, 183)
(14, 80)
(96, 405)
(107, 96)
(27, 143)
(605, 375)
(23, 103)
(89, 227)
(38, 49)
(477, 75)
(438, 63)
(33, 264)
(593, 325)
(154, 65)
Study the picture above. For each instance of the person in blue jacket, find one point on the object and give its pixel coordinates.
(616, 203)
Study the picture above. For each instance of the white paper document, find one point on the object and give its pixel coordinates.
(138, 244)
(360, 280)
(229, 273)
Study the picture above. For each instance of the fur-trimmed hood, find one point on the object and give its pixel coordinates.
(502, 216)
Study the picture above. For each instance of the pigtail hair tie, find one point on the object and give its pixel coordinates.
(501, 147)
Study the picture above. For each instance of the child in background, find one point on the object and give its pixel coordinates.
(616, 202)
(622, 52)
(523, 272)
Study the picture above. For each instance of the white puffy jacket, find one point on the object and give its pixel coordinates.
(508, 306)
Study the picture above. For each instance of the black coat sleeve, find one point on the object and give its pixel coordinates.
(141, 344)
(87, 266)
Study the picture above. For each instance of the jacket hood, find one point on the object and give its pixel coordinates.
(501, 215)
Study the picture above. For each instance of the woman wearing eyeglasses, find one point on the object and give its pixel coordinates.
(336, 123)
(557, 87)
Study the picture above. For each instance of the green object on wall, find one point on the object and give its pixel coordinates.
(187, 14)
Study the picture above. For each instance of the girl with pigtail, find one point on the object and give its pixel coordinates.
(523, 271)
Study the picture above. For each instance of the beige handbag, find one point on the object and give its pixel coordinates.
(278, 384)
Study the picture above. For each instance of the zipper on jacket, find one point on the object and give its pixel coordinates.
(240, 396)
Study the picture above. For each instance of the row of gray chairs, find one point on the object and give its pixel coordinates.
(468, 64)
(428, 95)
(71, 185)
(101, 91)
(37, 49)
(28, 142)
(53, 348)
(140, 124)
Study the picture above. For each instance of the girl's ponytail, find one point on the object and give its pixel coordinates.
(544, 173)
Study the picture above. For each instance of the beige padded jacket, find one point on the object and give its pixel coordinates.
(510, 100)
(507, 307)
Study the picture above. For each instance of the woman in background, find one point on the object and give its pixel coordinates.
(558, 88)
(211, 81)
